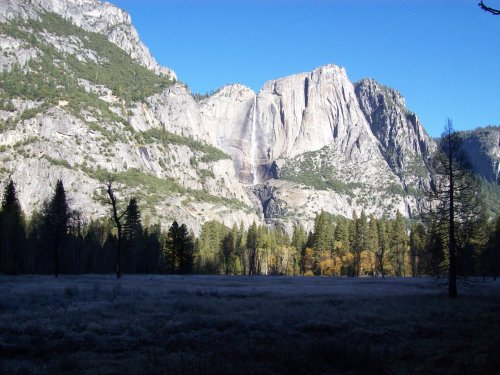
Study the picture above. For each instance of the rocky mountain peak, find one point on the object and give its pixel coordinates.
(403, 140)
(483, 148)
(90, 15)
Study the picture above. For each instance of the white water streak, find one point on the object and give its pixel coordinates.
(253, 141)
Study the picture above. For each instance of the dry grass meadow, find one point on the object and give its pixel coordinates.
(95, 324)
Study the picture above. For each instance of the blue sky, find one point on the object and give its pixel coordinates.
(443, 56)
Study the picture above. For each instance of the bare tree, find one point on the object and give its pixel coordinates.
(455, 195)
(488, 9)
(117, 221)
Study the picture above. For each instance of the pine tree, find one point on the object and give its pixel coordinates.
(185, 250)
(361, 241)
(490, 257)
(252, 248)
(435, 252)
(133, 237)
(398, 245)
(383, 244)
(341, 244)
(12, 232)
(132, 228)
(353, 245)
(211, 253)
(323, 235)
(417, 247)
(179, 248)
(372, 244)
(171, 247)
(57, 218)
(299, 239)
(229, 252)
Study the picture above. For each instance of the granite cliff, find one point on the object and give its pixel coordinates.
(82, 99)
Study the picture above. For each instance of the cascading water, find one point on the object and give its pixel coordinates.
(253, 142)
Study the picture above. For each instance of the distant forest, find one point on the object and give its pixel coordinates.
(58, 240)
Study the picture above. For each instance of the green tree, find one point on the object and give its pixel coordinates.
(57, 219)
(12, 232)
(372, 244)
(228, 249)
(211, 253)
(434, 258)
(186, 248)
(490, 257)
(353, 245)
(133, 238)
(341, 244)
(383, 244)
(179, 248)
(417, 247)
(252, 248)
(323, 240)
(398, 245)
(299, 239)
(361, 241)
(132, 228)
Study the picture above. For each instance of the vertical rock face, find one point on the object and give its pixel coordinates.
(398, 130)
(227, 118)
(483, 148)
(303, 143)
(402, 140)
(290, 116)
(308, 111)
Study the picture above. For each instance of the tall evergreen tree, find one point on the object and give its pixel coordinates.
(252, 249)
(323, 239)
(132, 228)
(383, 244)
(398, 245)
(211, 252)
(490, 257)
(360, 241)
(434, 256)
(133, 237)
(341, 244)
(185, 250)
(372, 244)
(299, 240)
(179, 248)
(57, 218)
(12, 232)
(353, 244)
(417, 247)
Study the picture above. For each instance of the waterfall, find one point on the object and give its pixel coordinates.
(253, 143)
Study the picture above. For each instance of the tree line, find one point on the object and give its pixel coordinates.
(453, 236)
(57, 240)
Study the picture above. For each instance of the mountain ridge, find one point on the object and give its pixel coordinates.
(74, 107)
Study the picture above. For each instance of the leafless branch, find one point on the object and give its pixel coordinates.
(488, 9)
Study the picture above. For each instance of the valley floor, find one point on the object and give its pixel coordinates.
(95, 324)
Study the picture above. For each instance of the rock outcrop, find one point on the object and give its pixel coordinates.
(90, 15)
(483, 148)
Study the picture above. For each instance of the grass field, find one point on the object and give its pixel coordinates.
(96, 324)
